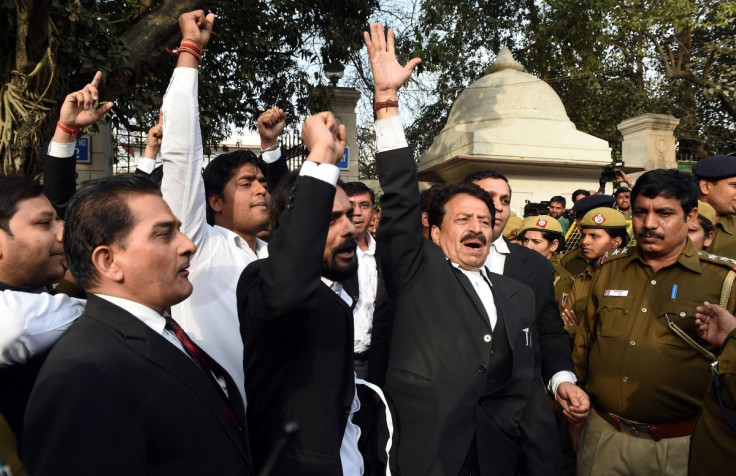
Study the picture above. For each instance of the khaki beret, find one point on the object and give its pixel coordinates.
(707, 212)
(512, 227)
(603, 218)
(541, 223)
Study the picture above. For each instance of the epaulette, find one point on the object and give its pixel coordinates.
(721, 260)
(618, 253)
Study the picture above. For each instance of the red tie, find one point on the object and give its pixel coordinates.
(198, 355)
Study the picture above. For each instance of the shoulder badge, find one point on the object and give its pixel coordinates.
(612, 255)
(715, 259)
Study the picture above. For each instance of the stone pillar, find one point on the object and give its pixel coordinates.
(100, 156)
(649, 141)
(343, 107)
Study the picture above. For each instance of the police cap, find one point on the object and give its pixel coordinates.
(541, 223)
(603, 218)
(715, 167)
(707, 212)
(594, 201)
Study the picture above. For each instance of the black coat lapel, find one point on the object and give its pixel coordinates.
(156, 349)
(506, 308)
(472, 293)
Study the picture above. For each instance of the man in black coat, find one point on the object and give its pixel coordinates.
(531, 268)
(120, 393)
(296, 322)
(124, 391)
(463, 370)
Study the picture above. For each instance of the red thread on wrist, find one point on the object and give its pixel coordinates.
(67, 129)
(386, 104)
(188, 47)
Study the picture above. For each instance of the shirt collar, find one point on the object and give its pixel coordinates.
(727, 224)
(481, 271)
(501, 246)
(689, 257)
(371, 244)
(241, 243)
(148, 316)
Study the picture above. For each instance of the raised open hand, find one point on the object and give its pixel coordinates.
(388, 74)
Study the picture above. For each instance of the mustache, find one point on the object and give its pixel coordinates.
(348, 245)
(471, 235)
(650, 234)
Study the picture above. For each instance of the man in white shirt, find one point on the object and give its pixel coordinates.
(222, 213)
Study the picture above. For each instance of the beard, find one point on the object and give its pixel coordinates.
(341, 272)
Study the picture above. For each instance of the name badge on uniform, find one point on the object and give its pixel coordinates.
(616, 292)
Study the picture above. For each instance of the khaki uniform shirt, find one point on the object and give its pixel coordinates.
(724, 237)
(574, 261)
(633, 364)
(713, 446)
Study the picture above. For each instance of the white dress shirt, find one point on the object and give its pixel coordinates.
(496, 259)
(367, 288)
(209, 315)
(482, 285)
(30, 323)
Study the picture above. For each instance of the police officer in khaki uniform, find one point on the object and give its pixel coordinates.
(701, 230)
(717, 187)
(713, 445)
(603, 230)
(646, 380)
(573, 260)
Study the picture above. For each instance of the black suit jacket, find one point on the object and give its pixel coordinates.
(531, 268)
(116, 398)
(446, 377)
(298, 339)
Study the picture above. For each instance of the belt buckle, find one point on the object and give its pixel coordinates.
(639, 430)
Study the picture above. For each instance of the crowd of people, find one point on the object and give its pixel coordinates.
(246, 319)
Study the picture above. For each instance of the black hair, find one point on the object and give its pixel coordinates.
(14, 188)
(550, 236)
(558, 199)
(473, 177)
(667, 183)
(428, 196)
(356, 188)
(218, 172)
(157, 175)
(621, 190)
(479, 175)
(98, 215)
(706, 224)
(282, 195)
(578, 192)
(436, 214)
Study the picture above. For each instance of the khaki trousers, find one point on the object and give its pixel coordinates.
(602, 451)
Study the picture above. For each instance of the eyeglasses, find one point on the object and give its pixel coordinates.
(363, 205)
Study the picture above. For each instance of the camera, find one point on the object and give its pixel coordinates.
(534, 209)
(609, 173)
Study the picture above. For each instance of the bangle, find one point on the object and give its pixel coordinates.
(67, 129)
(270, 148)
(187, 47)
(386, 104)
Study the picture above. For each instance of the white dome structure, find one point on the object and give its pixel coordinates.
(515, 123)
